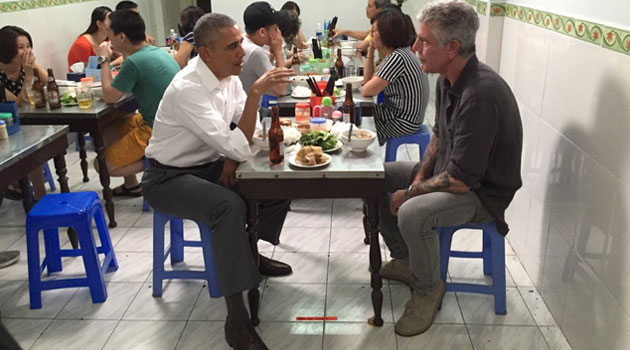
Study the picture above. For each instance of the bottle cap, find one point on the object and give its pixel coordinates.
(325, 71)
(302, 105)
(318, 120)
(337, 114)
(326, 101)
(312, 61)
(2, 123)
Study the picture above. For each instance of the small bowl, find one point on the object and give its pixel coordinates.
(355, 81)
(298, 80)
(361, 139)
(349, 44)
(258, 141)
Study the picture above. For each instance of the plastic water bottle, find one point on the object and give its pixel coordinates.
(173, 40)
(319, 34)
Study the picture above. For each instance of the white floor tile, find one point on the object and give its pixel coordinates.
(137, 240)
(307, 268)
(348, 240)
(25, 330)
(506, 337)
(450, 312)
(555, 339)
(354, 203)
(7, 289)
(75, 334)
(304, 240)
(308, 218)
(203, 335)
(517, 271)
(176, 302)
(311, 203)
(347, 217)
(10, 235)
(340, 264)
(285, 302)
(18, 305)
(143, 335)
(358, 336)
(479, 309)
(537, 306)
(211, 309)
(438, 337)
(471, 271)
(292, 335)
(353, 303)
(119, 297)
(132, 267)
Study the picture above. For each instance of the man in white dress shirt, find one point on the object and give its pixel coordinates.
(193, 154)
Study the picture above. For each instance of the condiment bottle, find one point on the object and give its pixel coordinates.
(38, 91)
(339, 65)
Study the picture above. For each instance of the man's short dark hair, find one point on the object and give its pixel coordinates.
(8, 42)
(289, 25)
(188, 17)
(381, 3)
(128, 22)
(126, 5)
(394, 28)
(291, 5)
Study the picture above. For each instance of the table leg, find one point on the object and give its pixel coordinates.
(60, 169)
(83, 155)
(366, 240)
(97, 138)
(27, 201)
(375, 260)
(253, 296)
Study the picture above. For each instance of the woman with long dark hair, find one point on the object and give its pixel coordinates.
(298, 40)
(85, 45)
(187, 20)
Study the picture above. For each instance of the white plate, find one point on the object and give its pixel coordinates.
(338, 146)
(301, 92)
(293, 162)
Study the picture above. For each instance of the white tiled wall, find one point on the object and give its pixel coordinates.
(55, 28)
(569, 222)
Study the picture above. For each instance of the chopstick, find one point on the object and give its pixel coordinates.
(350, 133)
(318, 92)
(264, 131)
(313, 88)
(330, 86)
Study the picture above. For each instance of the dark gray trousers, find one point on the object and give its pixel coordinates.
(195, 193)
(412, 234)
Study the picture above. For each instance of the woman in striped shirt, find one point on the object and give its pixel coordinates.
(399, 76)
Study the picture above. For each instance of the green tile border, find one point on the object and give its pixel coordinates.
(480, 6)
(598, 34)
(14, 6)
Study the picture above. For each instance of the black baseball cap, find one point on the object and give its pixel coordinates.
(258, 15)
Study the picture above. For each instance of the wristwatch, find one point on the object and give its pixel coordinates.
(407, 191)
(102, 59)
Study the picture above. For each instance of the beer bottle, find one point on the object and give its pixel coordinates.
(54, 99)
(276, 138)
(348, 106)
(295, 62)
(38, 90)
(339, 65)
(3, 94)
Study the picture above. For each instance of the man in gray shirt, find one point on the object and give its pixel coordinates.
(261, 27)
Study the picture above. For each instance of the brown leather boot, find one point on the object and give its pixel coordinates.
(419, 312)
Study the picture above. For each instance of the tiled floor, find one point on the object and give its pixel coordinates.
(321, 239)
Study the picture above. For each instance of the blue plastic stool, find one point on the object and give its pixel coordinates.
(48, 177)
(493, 256)
(421, 138)
(145, 205)
(176, 251)
(68, 210)
(85, 137)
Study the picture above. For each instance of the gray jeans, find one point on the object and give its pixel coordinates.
(195, 193)
(412, 234)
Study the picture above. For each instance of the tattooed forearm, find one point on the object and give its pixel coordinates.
(429, 158)
(442, 182)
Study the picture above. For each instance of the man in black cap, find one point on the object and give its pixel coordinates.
(261, 26)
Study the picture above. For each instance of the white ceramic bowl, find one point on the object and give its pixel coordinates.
(349, 43)
(361, 139)
(298, 80)
(348, 51)
(257, 140)
(355, 81)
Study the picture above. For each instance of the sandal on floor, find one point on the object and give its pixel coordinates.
(122, 191)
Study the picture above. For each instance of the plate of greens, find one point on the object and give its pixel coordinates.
(68, 100)
(327, 141)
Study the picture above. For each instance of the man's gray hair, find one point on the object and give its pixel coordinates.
(208, 26)
(380, 3)
(454, 20)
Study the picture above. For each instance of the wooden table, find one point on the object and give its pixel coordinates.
(349, 175)
(93, 120)
(28, 149)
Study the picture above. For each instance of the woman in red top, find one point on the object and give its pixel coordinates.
(86, 43)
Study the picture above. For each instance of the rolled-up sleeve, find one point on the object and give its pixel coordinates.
(473, 140)
(199, 116)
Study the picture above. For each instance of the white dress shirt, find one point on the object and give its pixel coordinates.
(192, 124)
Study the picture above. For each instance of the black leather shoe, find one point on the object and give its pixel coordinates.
(244, 337)
(274, 268)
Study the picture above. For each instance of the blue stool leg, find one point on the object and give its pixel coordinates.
(445, 236)
(96, 282)
(34, 270)
(103, 235)
(158, 253)
(53, 256)
(177, 241)
(145, 205)
(208, 257)
(391, 149)
(498, 272)
(487, 253)
(48, 177)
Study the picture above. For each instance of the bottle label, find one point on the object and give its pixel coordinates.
(346, 118)
(37, 97)
(281, 148)
(53, 97)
